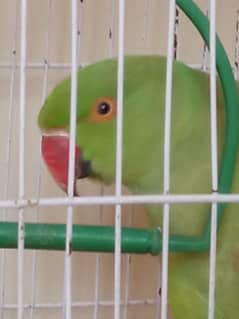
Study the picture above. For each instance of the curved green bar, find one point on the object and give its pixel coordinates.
(181, 243)
(84, 238)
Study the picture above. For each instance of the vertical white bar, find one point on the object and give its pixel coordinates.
(214, 156)
(38, 188)
(21, 185)
(118, 173)
(73, 110)
(97, 285)
(213, 96)
(126, 290)
(212, 267)
(71, 168)
(98, 263)
(167, 137)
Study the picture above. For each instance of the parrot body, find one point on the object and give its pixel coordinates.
(142, 161)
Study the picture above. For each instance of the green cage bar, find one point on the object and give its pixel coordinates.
(89, 238)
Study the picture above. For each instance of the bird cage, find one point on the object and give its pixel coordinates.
(97, 255)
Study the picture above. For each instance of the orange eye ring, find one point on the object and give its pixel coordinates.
(104, 109)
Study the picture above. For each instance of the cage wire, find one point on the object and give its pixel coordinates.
(41, 43)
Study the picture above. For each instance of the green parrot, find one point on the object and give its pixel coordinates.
(143, 138)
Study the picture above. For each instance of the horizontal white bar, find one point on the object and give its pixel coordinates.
(59, 65)
(83, 304)
(39, 65)
(123, 200)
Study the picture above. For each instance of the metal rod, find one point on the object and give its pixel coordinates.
(167, 157)
(118, 163)
(21, 160)
(84, 238)
(123, 200)
(214, 158)
(79, 304)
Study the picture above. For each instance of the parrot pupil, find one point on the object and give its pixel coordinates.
(103, 108)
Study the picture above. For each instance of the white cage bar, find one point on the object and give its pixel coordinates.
(22, 103)
(118, 166)
(167, 151)
(214, 157)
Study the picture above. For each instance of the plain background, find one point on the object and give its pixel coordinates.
(49, 40)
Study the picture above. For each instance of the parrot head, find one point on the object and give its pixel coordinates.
(96, 122)
(142, 128)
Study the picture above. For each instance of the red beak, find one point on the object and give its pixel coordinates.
(55, 151)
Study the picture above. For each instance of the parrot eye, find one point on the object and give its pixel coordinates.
(104, 109)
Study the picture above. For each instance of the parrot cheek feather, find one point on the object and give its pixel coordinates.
(55, 152)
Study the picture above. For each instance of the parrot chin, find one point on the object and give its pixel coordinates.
(55, 151)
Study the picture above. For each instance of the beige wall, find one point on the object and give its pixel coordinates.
(146, 32)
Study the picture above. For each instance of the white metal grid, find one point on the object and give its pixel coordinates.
(21, 202)
(118, 166)
(214, 157)
(21, 179)
(166, 160)
(68, 248)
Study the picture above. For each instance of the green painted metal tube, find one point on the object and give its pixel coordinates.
(85, 238)
(198, 244)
